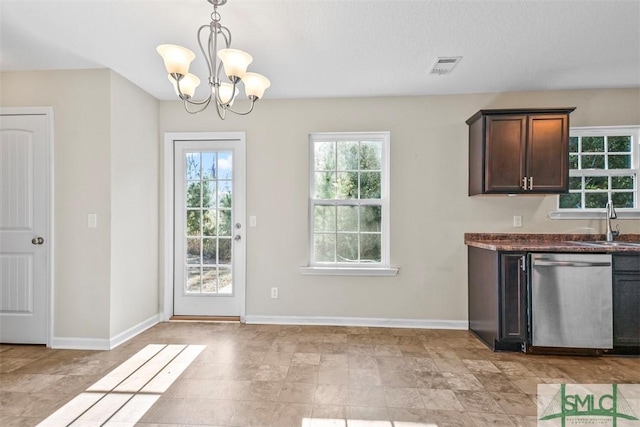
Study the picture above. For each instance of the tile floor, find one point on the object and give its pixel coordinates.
(310, 376)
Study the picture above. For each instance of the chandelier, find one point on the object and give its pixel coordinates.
(233, 61)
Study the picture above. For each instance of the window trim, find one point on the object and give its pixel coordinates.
(623, 213)
(352, 269)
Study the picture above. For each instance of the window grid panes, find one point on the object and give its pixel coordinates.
(348, 203)
(603, 166)
(208, 223)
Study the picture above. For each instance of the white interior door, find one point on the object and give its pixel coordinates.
(24, 228)
(209, 212)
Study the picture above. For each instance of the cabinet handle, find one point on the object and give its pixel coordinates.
(524, 183)
(530, 183)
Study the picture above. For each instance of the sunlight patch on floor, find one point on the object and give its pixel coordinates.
(124, 395)
(337, 422)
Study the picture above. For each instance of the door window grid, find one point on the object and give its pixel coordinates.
(208, 223)
(349, 202)
(603, 166)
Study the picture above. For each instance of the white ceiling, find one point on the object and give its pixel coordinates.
(337, 48)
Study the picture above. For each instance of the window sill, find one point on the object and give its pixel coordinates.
(591, 215)
(349, 271)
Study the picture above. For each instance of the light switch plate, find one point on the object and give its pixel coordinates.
(92, 220)
(253, 221)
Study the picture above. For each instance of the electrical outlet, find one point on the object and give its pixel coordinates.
(274, 293)
(517, 221)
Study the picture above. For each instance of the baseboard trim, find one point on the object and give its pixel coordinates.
(357, 321)
(133, 331)
(74, 343)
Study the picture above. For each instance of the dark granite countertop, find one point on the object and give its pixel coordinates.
(548, 242)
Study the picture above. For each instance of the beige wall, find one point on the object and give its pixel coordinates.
(89, 171)
(430, 209)
(134, 205)
(105, 281)
(81, 176)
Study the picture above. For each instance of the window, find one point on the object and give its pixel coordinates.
(349, 202)
(603, 165)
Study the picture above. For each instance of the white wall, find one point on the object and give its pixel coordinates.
(430, 209)
(94, 267)
(134, 205)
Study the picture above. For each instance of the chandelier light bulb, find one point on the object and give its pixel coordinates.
(176, 58)
(255, 84)
(227, 93)
(235, 62)
(188, 85)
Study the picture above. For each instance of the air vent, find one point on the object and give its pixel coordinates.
(444, 65)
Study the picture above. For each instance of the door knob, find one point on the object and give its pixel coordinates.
(238, 237)
(37, 240)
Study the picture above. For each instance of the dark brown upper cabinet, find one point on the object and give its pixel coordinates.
(519, 151)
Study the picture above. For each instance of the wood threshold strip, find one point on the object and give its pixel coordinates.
(205, 318)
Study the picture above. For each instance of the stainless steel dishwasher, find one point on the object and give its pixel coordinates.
(571, 300)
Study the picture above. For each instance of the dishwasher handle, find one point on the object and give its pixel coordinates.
(543, 262)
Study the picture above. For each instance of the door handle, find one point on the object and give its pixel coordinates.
(238, 237)
(37, 240)
(546, 263)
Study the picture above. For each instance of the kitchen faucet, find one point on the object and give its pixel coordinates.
(611, 214)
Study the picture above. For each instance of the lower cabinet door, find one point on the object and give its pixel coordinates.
(513, 307)
(626, 302)
(626, 309)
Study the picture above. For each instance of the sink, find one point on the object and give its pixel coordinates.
(605, 244)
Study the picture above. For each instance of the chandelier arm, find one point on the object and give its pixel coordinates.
(216, 63)
(213, 50)
(221, 110)
(214, 80)
(227, 42)
(204, 104)
(243, 113)
(189, 100)
(226, 34)
(204, 101)
(207, 57)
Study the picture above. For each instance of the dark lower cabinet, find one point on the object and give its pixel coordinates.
(498, 299)
(497, 303)
(626, 303)
(513, 308)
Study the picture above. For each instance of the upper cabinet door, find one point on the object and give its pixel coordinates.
(505, 153)
(519, 151)
(548, 153)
